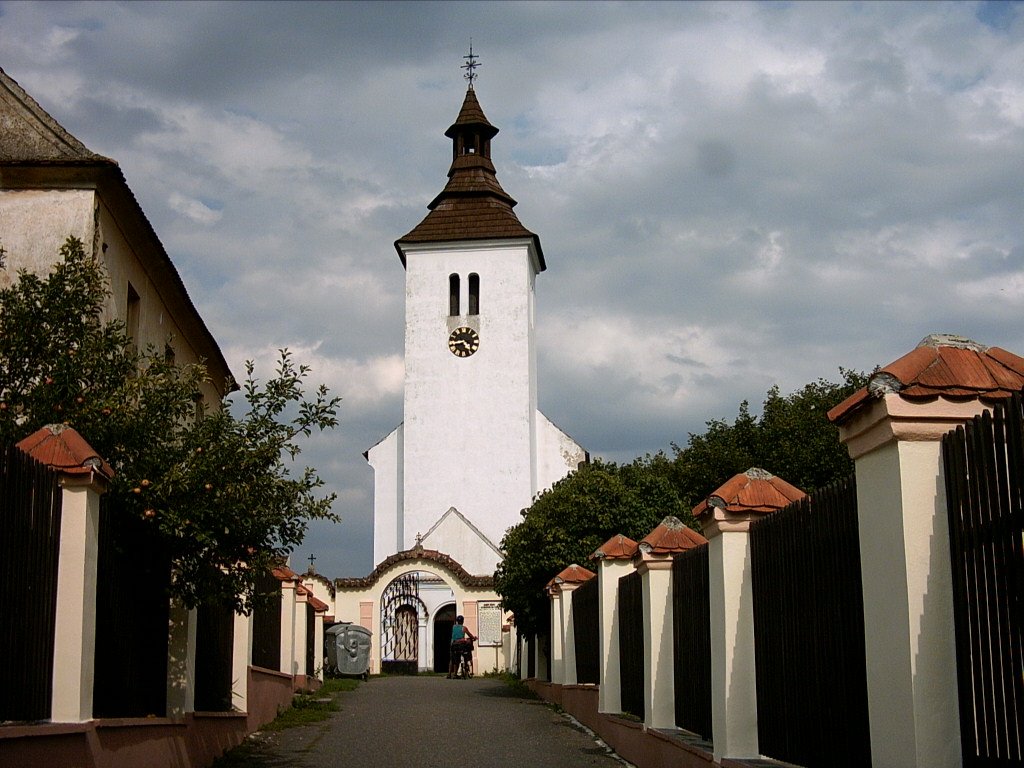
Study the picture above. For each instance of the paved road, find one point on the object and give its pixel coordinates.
(432, 722)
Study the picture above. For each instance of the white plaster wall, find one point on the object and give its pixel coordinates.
(386, 459)
(35, 223)
(557, 454)
(468, 421)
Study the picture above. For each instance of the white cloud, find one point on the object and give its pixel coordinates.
(194, 210)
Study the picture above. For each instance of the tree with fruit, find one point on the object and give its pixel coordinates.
(218, 486)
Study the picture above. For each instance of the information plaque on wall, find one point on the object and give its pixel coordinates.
(489, 622)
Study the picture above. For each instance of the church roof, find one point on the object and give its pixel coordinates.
(942, 365)
(473, 205)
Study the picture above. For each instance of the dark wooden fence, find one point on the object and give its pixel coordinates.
(984, 471)
(691, 641)
(266, 624)
(132, 614)
(215, 633)
(586, 632)
(631, 644)
(310, 640)
(30, 518)
(809, 632)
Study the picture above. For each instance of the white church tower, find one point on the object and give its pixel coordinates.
(473, 450)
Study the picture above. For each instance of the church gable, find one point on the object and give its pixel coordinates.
(453, 532)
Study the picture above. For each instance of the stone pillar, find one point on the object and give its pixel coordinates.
(301, 640)
(612, 565)
(557, 637)
(181, 660)
(318, 645)
(659, 672)
(288, 627)
(569, 634)
(241, 658)
(908, 597)
(74, 642)
(733, 673)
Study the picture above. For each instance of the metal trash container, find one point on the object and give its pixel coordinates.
(348, 649)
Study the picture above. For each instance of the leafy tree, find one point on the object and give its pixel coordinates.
(573, 518)
(792, 439)
(217, 487)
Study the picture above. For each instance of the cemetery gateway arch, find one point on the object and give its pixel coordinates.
(409, 603)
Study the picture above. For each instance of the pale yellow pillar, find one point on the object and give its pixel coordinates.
(908, 600)
(659, 672)
(557, 636)
(733, 669)
(75, 638)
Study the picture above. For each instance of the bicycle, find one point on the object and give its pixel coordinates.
(464, 669)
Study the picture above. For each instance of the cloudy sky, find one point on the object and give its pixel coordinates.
(729, 195)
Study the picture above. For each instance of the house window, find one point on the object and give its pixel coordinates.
(168, 354)
(453, 294)
(474, 294)
(131, 316)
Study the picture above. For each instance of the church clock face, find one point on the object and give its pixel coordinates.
(463, 342)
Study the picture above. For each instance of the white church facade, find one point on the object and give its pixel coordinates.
(473, 449)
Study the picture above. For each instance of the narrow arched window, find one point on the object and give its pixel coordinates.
(453, 294)
(474, 294)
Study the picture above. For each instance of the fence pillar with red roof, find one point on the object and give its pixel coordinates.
(653, 561)
(893, 429)
(614, 560)
(563, 632)
(726, 516)
(84, 476)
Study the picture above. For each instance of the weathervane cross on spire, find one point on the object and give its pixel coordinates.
(471, 65)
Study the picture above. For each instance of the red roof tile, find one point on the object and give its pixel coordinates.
(317, 603)
(284, 573)
(671, 535)
(417, 553)
(752, 491)
(574, 574)
(618, 547)
(62, 448)
(945, 366)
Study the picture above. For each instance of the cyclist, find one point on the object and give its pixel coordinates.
(462, 646)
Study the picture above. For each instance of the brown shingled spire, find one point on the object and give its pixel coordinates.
(473, 205)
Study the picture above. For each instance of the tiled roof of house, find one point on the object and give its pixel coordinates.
(945, 366)
(753, 491)
(62, 448)
(473, 205)
(440, 558)
(618, 547)
(45, 141)
(284, 573)
(671, 535)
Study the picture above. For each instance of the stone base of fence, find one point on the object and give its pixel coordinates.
(631, 740)
(155, 742)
